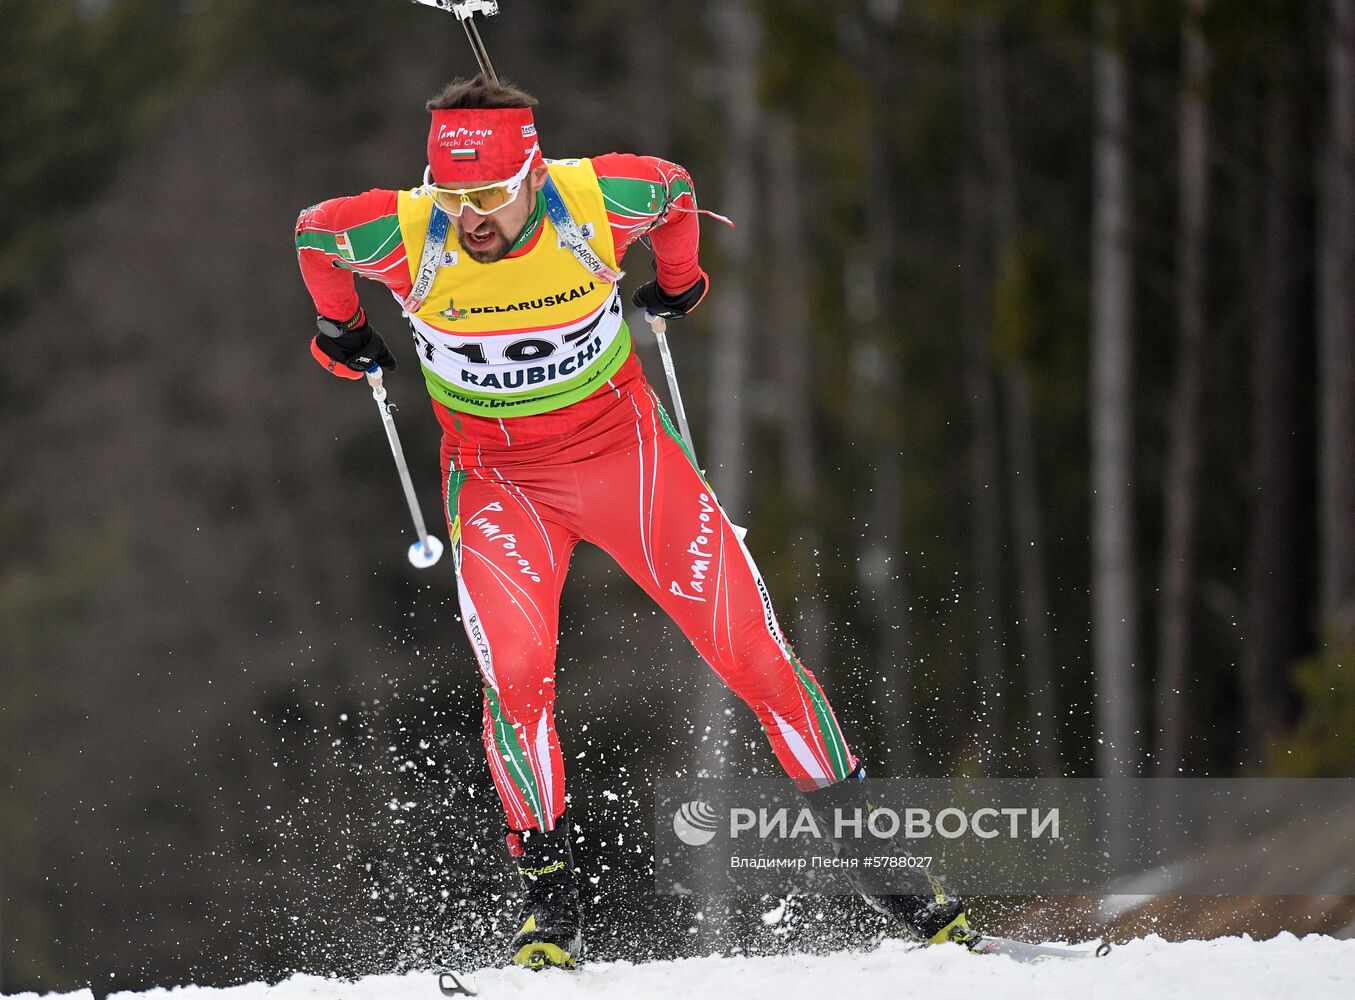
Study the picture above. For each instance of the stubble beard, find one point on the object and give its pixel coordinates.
(499, 252)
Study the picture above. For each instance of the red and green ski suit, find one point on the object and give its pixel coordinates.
(551, 435)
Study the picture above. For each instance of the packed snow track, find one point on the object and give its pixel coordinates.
(1235, 968)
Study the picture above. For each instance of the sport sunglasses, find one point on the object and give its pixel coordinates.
(485, 199)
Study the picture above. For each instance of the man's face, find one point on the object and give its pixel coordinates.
(487, 238)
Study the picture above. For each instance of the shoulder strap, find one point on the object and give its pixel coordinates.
(429, 262)
(572, 236)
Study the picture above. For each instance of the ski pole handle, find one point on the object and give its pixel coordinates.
(374, 379)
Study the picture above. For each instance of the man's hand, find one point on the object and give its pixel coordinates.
(657, 302)
(348, 349)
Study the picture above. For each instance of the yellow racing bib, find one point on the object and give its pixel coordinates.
(525, 334)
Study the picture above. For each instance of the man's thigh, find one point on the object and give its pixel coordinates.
(511, 558)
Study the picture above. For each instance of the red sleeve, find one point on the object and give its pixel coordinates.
(647, 196)
(342, 237)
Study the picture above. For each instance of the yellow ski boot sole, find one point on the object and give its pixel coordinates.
(543, 956)
(957, 930)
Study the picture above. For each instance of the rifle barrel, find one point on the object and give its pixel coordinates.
(481, 55)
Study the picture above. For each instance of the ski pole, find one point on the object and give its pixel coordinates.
(427, 550)
(465, 11)
(660, 327)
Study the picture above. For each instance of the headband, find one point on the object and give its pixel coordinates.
(480, 145)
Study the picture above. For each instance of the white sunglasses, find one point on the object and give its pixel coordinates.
(485, 199)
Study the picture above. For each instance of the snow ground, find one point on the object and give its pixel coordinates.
(1234, 968)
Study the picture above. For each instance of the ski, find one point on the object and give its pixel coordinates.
(1024, 951)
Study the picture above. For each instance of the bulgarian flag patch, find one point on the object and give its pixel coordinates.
(463, 154)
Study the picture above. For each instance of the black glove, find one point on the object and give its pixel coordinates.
(657, 302)
(349, 349)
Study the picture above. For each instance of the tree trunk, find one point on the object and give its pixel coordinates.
(1182, 491)
(886, 568)
(1114, 599)
(1274, 632)
(740, 43)
(874, 310)
(985, 480)
(726, 449)
(795, 361)
(649, 78)
(1033, 600)
(1337, 330)
(1018, 410)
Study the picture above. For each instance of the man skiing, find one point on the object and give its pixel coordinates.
(551, 434)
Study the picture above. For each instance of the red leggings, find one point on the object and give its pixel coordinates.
(622, 480)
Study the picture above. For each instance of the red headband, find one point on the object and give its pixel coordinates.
(480, 145)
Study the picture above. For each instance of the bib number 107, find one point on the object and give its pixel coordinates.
(527, 349)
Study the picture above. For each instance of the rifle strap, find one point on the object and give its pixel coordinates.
(572, 237)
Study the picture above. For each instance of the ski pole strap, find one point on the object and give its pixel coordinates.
(571, 235)
(438, 226)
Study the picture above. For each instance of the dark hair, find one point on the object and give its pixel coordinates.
(477, 92)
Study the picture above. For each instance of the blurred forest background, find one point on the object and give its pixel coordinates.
(1040, 409)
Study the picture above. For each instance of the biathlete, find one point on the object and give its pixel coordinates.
(508, 266)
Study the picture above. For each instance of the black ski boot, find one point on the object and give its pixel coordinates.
(552, 923)
(906, 895)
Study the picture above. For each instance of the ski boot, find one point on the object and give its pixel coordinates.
(905, 895)
(552, 923)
